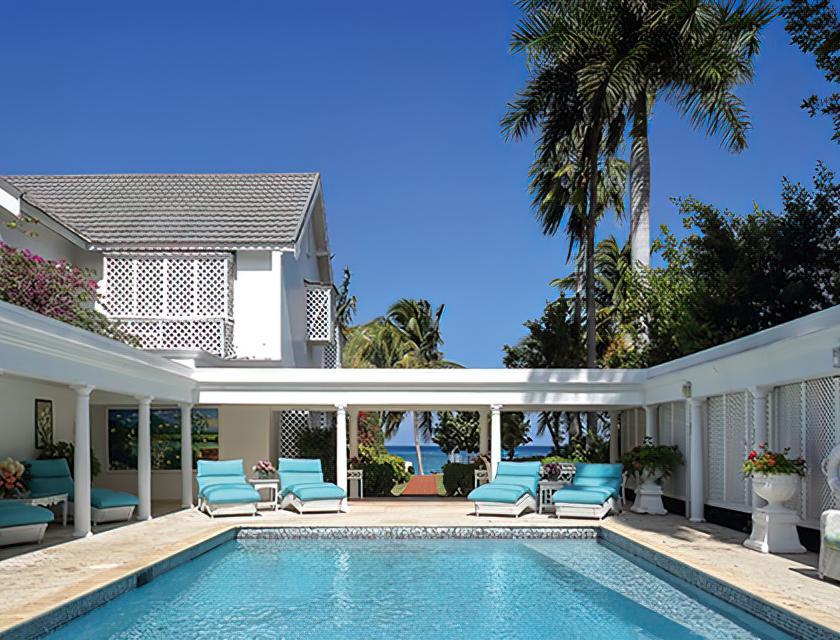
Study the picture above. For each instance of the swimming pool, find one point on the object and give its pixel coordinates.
(406, 589)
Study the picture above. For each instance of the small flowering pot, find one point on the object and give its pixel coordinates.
(775, 489)
(774, 525)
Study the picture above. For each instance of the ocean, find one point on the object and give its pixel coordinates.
(434, 458)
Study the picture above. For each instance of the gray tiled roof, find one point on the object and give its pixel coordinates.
(174, 210)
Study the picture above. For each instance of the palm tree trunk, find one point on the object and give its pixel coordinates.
(578, 297)
(640, 184)
(415, 423)
(592, 216)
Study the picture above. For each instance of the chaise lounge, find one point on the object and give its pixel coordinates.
(52, 477)
(224, 490)
(597, 489)
(23, 523)
(303, 488)
(512, 492)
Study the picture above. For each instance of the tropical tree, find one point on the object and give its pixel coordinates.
(457, 431)
(515, 429)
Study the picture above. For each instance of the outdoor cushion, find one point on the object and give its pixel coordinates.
(230, 493)
(498, 492)
(220, 472)
(832, 541)
(590, 495)
(107, 498)
(315, 491)
(49, 477)
(14, 514)
(598, 475)
(294, 472)
(523, 474)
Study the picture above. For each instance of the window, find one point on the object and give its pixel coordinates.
(166, 437)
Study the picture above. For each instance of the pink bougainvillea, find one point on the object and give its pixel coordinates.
(54, 288)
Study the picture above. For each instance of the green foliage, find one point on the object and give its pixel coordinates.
(458, 431)
(315, 442)
(814, 27)
(67, 450)
(552, 341)
(458, 478)
(659, 460)
(514, 432)
(764, 461)
(382, 471)
(593, 449)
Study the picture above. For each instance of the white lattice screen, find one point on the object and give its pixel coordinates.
(331, 358)
(673, 431)
(729, 435)
(805, 418)
(292, 423)
(319, 313)
(173, 301)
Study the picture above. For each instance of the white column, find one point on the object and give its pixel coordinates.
(354, 447)
(651, 426)
(144, 458)
(483, 433)
(759, 395)
(186, 455)
(81, 463)
(614, 453)
(341, 446)
(695, 464)
(495, 438)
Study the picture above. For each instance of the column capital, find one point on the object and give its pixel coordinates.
(650, 407)
(696, 402)
(495, 408)
(760, 392)
(341, 408)
(82, 389)
(185, 406)
(143, 400)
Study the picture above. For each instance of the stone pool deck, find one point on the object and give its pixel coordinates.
(46, 577)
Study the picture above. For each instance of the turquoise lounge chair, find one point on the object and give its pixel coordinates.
(302, 487)
(512, 492)
(224, 490)
(22, 523)
(596, 490)
(52, 477)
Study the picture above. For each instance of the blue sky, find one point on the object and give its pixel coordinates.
(397, 104)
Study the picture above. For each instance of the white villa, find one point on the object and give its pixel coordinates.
(227, 282)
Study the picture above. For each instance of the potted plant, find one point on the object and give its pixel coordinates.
(264, 469)
(551, 471)
(652, 464)
(11, 478)
(775, 478)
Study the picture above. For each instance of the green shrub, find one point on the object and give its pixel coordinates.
(315, 442)
(458, 478)
(382, 471)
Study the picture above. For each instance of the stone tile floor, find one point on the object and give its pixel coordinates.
(63, 569)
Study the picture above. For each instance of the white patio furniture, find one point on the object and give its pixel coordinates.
(272, 485)
(546, 492)
(357, 475)
(480, 476)
(47, 501)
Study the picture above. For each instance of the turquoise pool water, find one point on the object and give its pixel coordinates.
(411, 589)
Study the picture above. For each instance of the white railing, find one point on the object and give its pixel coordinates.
(320, 313)
(172, 301)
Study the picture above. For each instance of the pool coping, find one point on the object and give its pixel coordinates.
(787, 621)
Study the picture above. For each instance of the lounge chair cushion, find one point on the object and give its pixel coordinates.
(293, 471)
(498, 492)
(598, 475)
(14, 514)
(49, 477)
(588, 495)
(315, 491)
(230, 493)
(107, 498)
(523, 474)
(832, 541)
(212, 473)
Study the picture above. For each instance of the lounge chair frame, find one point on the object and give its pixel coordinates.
(23, 534)
(111, 514)
(597, 511)
(313, 506)
(228, 509)
(516, 509)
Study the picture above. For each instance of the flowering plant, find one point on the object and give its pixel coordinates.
(55, 288)
(11, 474)
(651, 459)
(264, 469)
(764, 461)
(551, 470)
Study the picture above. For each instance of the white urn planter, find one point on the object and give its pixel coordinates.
(774, 525)
(649, 494)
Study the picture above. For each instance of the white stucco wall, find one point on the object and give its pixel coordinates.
(297, 269)
(17, 414)
(257, 305)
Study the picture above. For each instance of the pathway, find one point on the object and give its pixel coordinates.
(421, 486)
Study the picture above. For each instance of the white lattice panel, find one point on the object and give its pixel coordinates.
(786, 429)
(292, 423)
(715, 449)
(319, 313)
(171, 301)
(672, 432)
(821, 436)
(737, 441)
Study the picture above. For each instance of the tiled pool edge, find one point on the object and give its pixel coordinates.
(787, 621)
(64, 613)
(773, 614)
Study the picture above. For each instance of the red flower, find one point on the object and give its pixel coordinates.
(752, 455)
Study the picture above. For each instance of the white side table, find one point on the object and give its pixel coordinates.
(480, 476)
(47, 501)
(273, 486)
(546, 491)
(357, 475)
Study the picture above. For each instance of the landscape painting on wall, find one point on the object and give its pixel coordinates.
(166, 437)
(43, 423)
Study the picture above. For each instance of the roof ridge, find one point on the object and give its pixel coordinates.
(155, 175)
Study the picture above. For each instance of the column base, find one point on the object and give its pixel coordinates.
(774, 531)
(697, 520)
(82, 534)
(649, 500)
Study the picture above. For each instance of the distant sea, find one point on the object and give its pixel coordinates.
(434, 458)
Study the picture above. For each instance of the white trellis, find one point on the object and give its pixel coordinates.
(319, 313)
(673, 431)
(729, 435)
(172, 301)
(291, 425)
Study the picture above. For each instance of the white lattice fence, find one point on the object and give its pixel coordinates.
(292, 423)
(805, 418)
(632, 429)
(173, 301)
(729, 435)
(673, 432)
(319, 313)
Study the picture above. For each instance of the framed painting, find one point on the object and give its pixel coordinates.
(43, 423)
